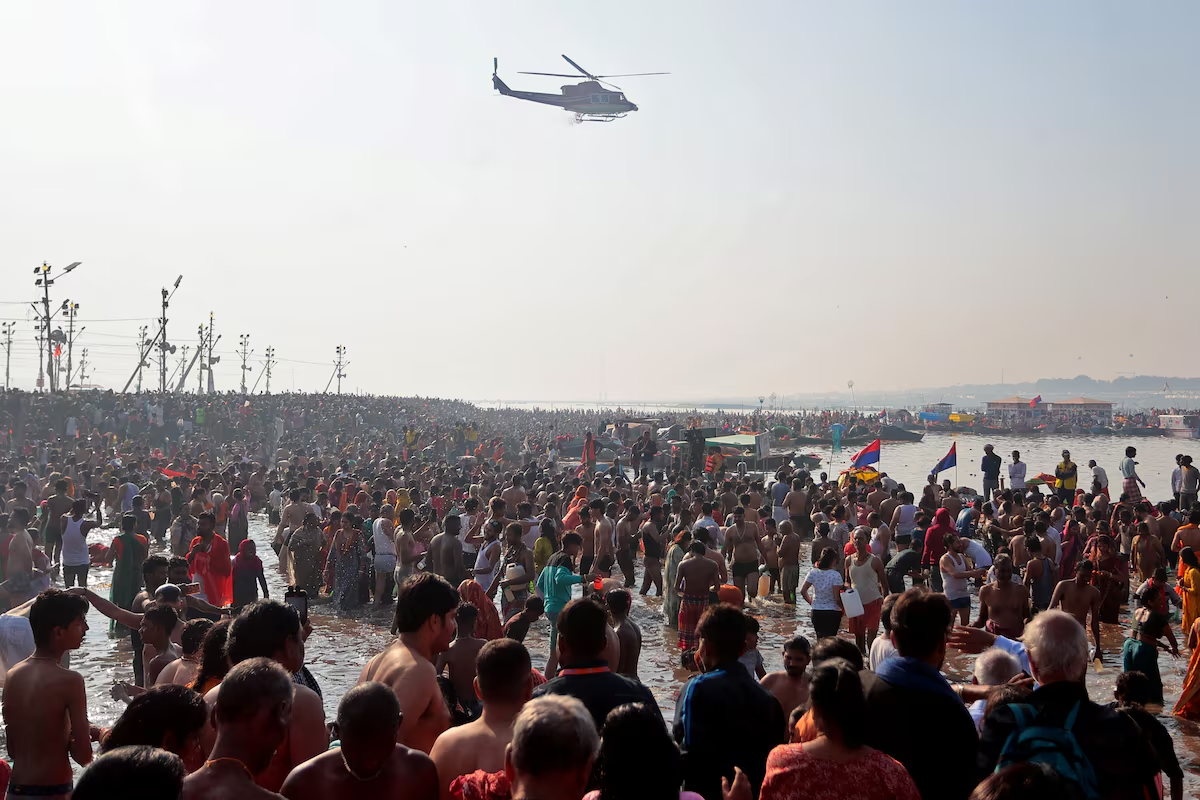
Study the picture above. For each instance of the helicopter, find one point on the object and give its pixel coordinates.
(589, 101)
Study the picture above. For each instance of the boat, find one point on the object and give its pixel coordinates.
(890, 433)
(1100, 430)
(1186, 426)
(1130, 430)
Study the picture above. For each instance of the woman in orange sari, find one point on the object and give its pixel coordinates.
(487, 624)
(210, 562)
(1188, 705)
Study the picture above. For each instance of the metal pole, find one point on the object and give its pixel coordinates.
(244, 343)
(72, 309)
(137, 373)
(46, 318)
(270, 363)
(162, 361)
(7, 329)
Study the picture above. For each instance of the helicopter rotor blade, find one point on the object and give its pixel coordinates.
(631, 75)
(551, 74)
(613, 85)
(576, 66)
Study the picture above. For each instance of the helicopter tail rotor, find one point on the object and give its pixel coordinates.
(498, 84)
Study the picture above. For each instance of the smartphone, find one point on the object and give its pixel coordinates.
(190, 588)
(298, 599)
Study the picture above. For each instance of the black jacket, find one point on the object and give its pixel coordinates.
(930, 733)
(724, 719)
(601, 692)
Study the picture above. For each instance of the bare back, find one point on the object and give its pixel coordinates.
(414, 680)
(45, 707)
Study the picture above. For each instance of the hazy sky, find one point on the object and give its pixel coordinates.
(902, 194)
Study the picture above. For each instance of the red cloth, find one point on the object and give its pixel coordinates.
(935, 546)
(214, 570)
(487, 624)
(480, 785)
(872, 776)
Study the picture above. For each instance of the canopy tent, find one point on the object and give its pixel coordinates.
(864, 475)
(735, 440)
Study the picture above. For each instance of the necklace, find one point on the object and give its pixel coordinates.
(232, 760)
(354, 774)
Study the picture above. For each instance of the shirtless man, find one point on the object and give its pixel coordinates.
(795, 503)
(158, 622)
(59, 505)
(876, 497)
(1147, 553)
(514, 494)
(445, 552)
(626, 528)
(790, 686)
(1188, 535)
(45, 705)
(425, 606)
(704, 536)
(698, 577)
(769, 549)
(252, 717)
(182, 671)
(1016, 546)
(291, 519)
(1003, 605)
(654, 544)
(504, 683)
(459, 658)
(1080, 599)
(270, 629)
(789, 561)
(603, 535)
(742, 548)
(628, 635)
(369, 764)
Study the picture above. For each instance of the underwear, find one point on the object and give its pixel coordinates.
(39, 791)
(743, 568)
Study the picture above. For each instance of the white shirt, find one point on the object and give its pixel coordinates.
(275, 499)
(1016, 475)
(978, 554)
(1177, 480)
(882, 650)
(1100, 476)
(708, 522)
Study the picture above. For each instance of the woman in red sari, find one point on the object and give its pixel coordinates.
(487, 624)
(210, 562)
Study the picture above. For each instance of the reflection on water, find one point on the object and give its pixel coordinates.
(342, 644)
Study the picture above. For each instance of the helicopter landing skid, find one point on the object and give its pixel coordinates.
(597, 117)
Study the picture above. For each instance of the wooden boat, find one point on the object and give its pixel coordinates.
(890, 433)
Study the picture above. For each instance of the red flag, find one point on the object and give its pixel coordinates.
(57, 350)
(1033, 403)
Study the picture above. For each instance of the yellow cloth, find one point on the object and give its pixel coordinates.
(543, 548)
(1188, 705)
(1069, 483)
(1189, 589)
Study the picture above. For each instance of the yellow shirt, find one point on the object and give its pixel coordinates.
(1069, 483)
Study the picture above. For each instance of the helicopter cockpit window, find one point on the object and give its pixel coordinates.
(595, 99)
(604, 99)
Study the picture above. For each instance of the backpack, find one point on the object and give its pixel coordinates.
(1053, 745)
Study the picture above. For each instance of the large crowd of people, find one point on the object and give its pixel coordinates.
(472, 524)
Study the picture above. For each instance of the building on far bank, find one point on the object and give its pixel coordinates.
(1015, 408)
(1083, 406)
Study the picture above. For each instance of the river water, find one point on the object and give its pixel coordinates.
(341, 644)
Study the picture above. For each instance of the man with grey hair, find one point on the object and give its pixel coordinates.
(1121, 762)
(553, 746)
(994, 667)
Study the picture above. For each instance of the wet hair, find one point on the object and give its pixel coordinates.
(262, 630)
(1133, 687)
(161, 615)
(54, 609)
(421, 597)
(723, 629)
(368, 711)
(827, 559)
(465, 616)
(1002, 695)
(503, 669)
(168, 593)
(1024, 781)
(132, 773)
(581, 627)
(618, 601)
(570, 539)
(835, 694)
(163, 710)
(252, 685)
(633, 736)
(193, 635)
(798, 643)
(153, 563)
(697, 547)
(920, 620)
(832, 647)
(214, 663)
(553, 734)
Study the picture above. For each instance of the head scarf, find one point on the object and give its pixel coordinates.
(245, 561)
(487, 624)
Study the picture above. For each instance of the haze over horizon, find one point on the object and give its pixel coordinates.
(903, 196)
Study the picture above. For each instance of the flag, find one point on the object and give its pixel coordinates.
(1033, 403)
(868, 455)
(948, 461)
(58, 351)
(883, 413)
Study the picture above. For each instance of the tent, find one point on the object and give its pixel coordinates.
(864, 475)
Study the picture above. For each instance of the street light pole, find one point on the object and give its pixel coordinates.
(244, 343)
(7, 329)
(70, 309)
(165, 348)
(44, 280)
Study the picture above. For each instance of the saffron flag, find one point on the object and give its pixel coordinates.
(948, 461)
(868, 455)
(1033, 403)
(58, 351)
